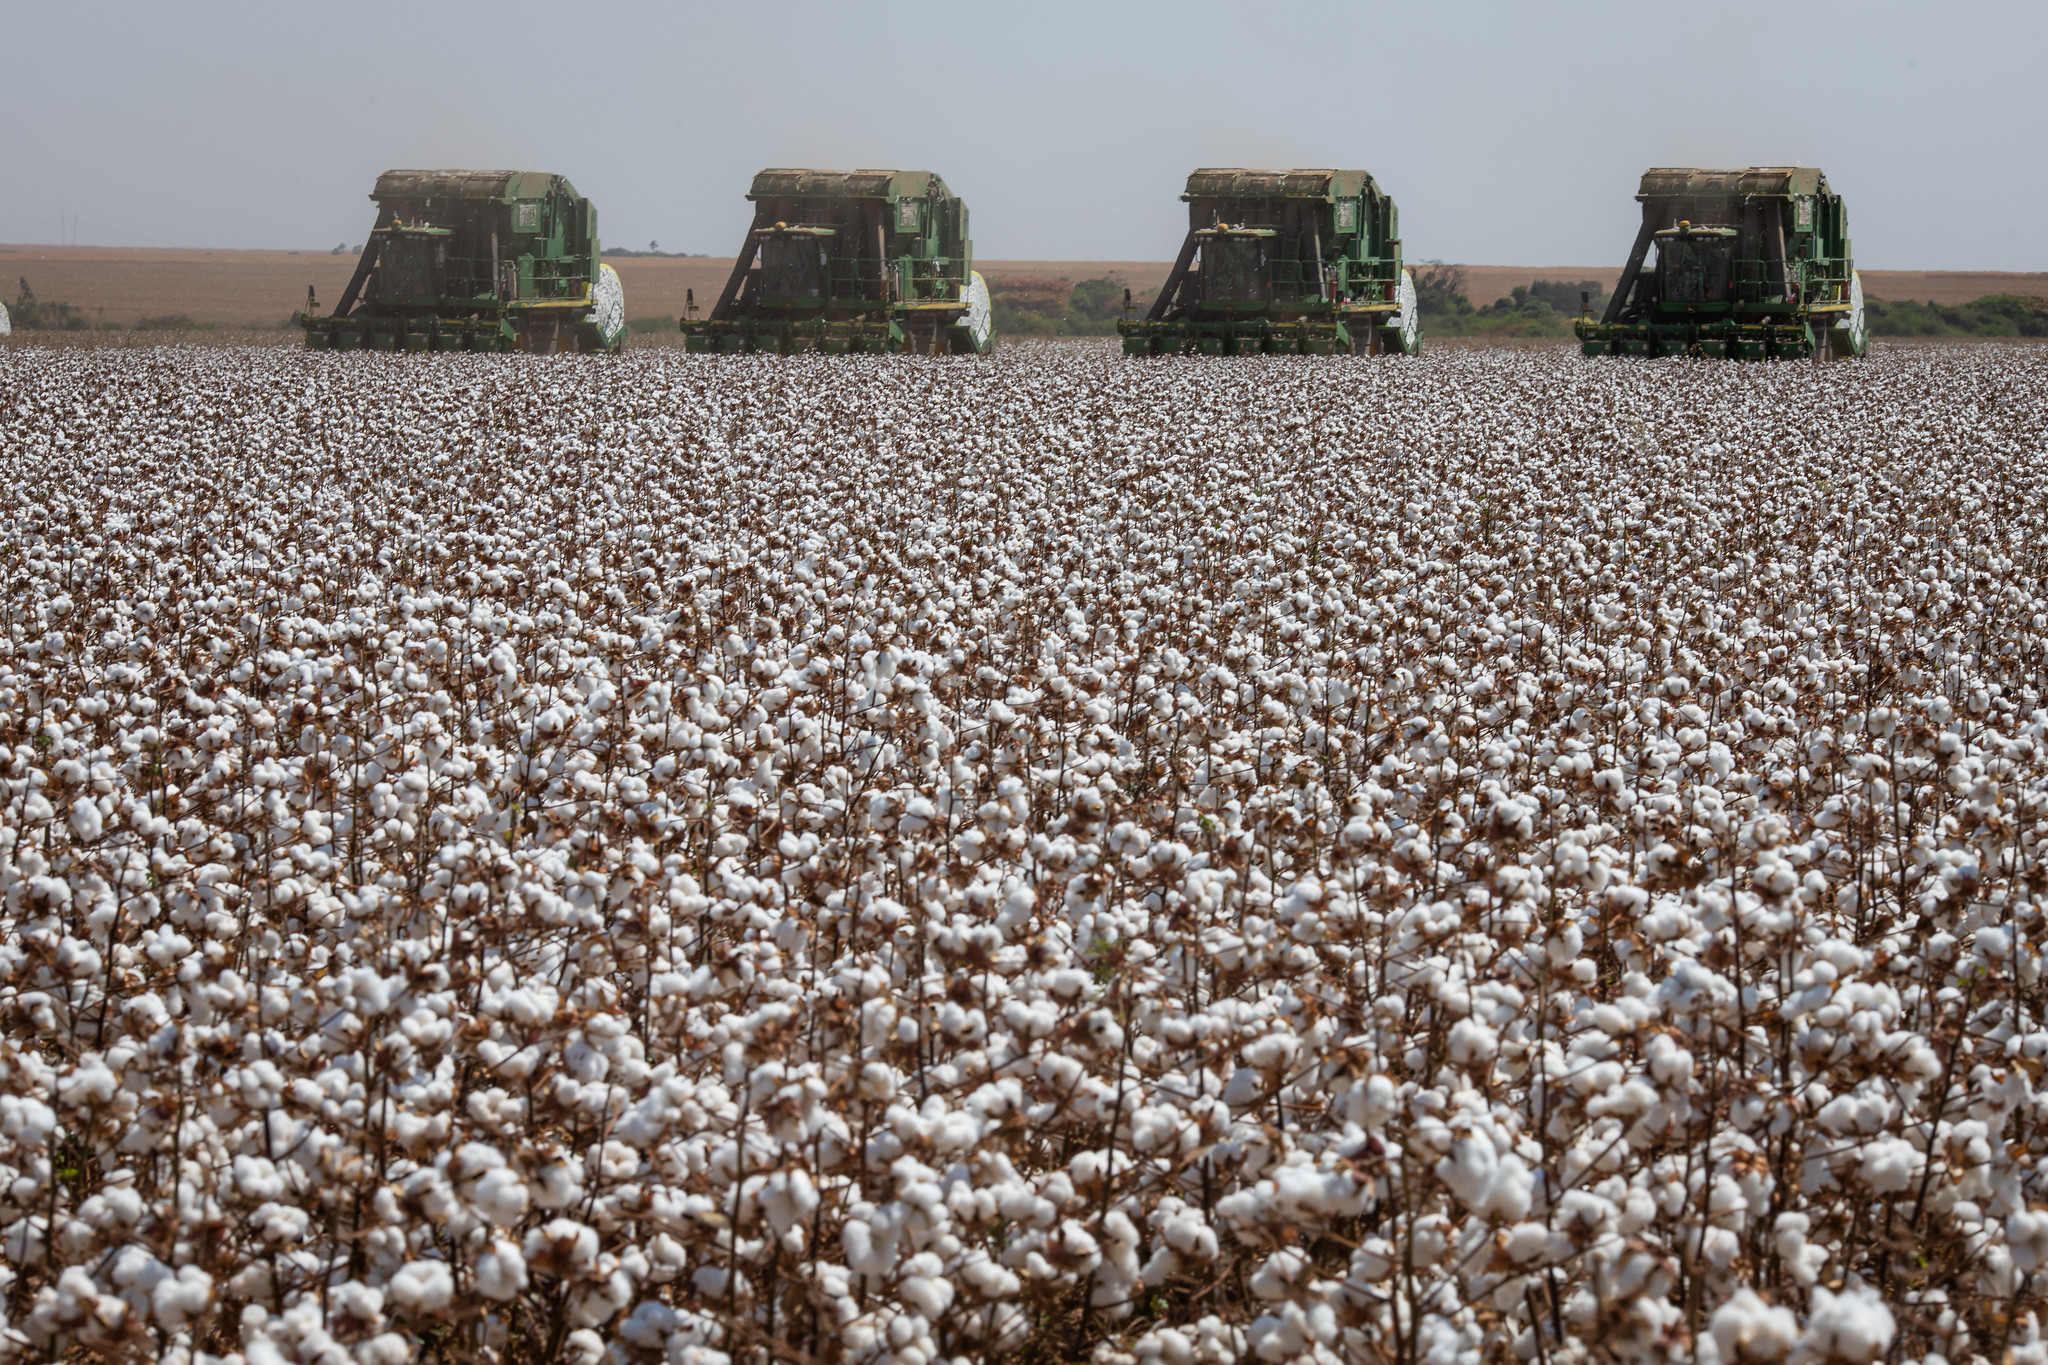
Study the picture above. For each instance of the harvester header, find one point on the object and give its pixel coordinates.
(1297, 262)
(1750, 264)
(850, 261)
(476, 261)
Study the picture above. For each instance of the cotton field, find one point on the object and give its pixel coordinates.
(1496, 857)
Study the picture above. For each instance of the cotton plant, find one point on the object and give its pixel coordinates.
(716, 859)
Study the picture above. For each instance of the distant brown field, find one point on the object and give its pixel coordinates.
(262, 288)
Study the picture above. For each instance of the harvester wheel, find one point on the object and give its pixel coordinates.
(607, 323)
(1410, 317)
(975, 332)
(1849, 336)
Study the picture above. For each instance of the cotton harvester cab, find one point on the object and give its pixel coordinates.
(476, 261)
(1749, 265)
(851, 261)
(1290, 262)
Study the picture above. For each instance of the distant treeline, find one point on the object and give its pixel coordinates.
(1994, 315)
(1546, 308)
(1037, 306)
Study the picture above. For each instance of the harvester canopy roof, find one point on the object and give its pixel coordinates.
(1231, 182)
(469, 185)
(778, 182)
(1772, 182)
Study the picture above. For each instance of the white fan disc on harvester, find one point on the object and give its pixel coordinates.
(1854, 321)
(1410, 319)
(608, 305)
(979, 317)
(6, 327)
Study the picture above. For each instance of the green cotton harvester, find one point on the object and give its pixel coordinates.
(476, 261)
(1750, 265)
(846, 262)
(1304, 262)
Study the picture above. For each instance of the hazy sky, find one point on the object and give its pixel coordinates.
(1507, 133)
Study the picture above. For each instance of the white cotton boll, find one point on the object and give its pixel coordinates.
(85, 819)
(1853, 1326)
(89, 1084)
(422, 1286)
(668, 1258)
(1473, 1041)
(930, 1295)
(561, 1183)
(869, 1250)
(386, 1348)
(364, 1303)
(1374, 1260)
(2026, 1236)
(1246, 1087)
(787, 1199)
(561, 1247)
(1745, 1328)
(1378, 1102)
(1801, 1260)
(1278, 1273)
(1469, 1169)
(1525, 1242)
(178, 1299)
(1272, 1052)
(76, 1292)
(649, 1325)
(501, 1270)
(1512, 1188)
(499, 1197)
(1166, 1345)
(1888, 1165)
(27, 1121)
(582, 1347)
(2027, 1349)
(877, 1081)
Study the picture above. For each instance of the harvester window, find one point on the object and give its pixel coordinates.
(412, 265)
(1695, 268)
(527, 218)
(1347, 215)
(906, 216)
(793, 267)
(1234, 270)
